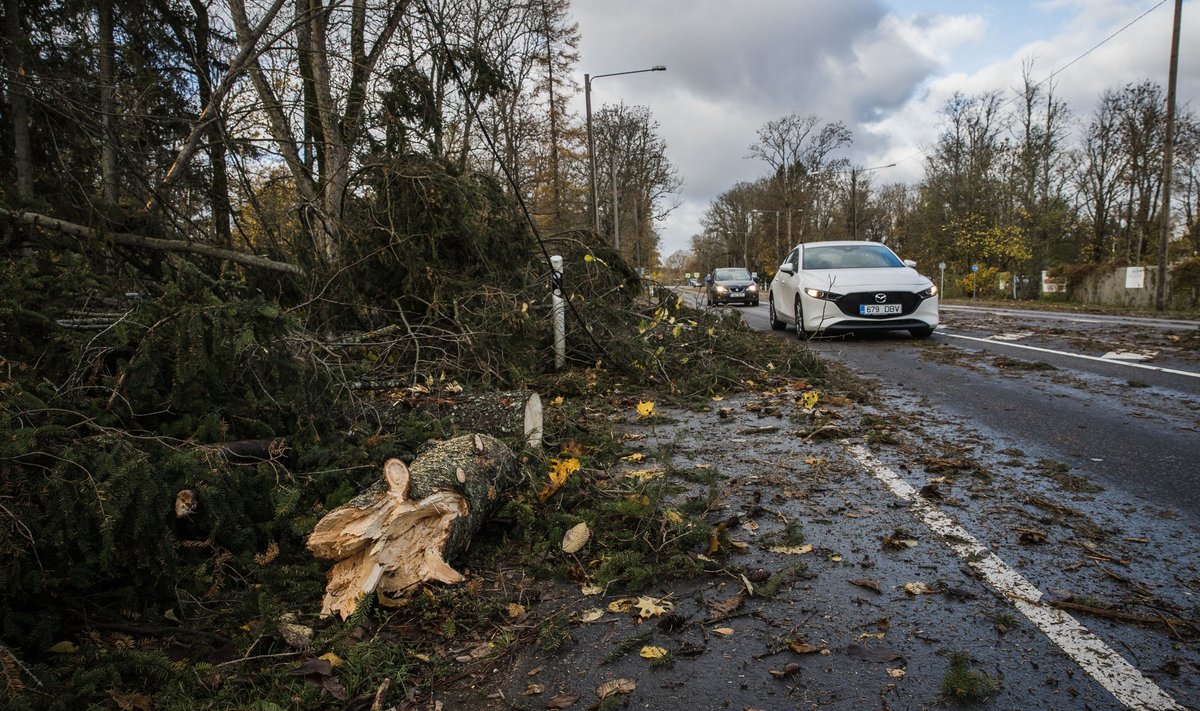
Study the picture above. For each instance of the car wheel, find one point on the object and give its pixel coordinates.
(923, 332)
(776, 324)
(800, 332)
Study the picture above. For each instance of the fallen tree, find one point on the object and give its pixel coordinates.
(391, 540)
(504, 414)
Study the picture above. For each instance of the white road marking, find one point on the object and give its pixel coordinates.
(1100, 661)
(1009, 344)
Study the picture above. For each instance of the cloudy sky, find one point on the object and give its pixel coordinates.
(884, 67)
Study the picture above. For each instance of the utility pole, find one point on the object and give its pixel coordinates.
(1160, 294)
(854, 203)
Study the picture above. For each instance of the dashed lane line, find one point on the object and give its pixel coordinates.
(1068, 354)
(1101, 662)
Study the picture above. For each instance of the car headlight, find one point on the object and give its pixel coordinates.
(821, 294)
(721, 290)
(928, 293)
(752, 287)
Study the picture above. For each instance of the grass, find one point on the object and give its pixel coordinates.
(965, 683)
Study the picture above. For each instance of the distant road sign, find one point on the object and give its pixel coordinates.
(974, 267)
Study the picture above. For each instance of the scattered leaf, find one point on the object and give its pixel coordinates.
(867, 583)
(590, 616)
(651, 652)
(805, 648)
(809, 399)
(724, 631)
(560, 471)
(334, 660)
(562, 701)
(896, 673)
(645, 409)
(788, 670)
(645, 474)
(672, 516)
(591, 590)
(557, 401)
(917, 588)
(64, 647)
(576, 538)
(650, 607)
(615, 686)
(624, 604)
(533, 690)
(724, 608)
(635, 457)
(835, 558)
(872, 635)
(792, 550)
(514, 610)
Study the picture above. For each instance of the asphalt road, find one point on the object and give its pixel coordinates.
(1040, 383)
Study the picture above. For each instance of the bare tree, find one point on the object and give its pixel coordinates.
(1097, 178)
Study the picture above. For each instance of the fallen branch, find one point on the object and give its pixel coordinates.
(1105, 612)
(127, 239)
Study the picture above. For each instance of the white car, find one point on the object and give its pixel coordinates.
(851, 287)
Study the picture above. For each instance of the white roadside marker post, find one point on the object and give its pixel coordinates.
(559, 311)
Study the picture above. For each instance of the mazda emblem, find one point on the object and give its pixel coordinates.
(880, 298)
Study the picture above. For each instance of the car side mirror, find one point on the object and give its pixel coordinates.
(910, 264)
(787, 269)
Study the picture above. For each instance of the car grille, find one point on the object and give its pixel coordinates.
(849, 303)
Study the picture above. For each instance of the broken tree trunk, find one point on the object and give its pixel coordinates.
(392, 540)
(504, 414)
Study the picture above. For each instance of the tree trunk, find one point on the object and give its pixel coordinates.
(18, 99)
(392, 540)
(108, 105)
(506, 415)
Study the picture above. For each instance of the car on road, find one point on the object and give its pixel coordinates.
(693, 282)
(851, 287)
(732, 285)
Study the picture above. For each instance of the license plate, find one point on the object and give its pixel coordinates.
(878, 309)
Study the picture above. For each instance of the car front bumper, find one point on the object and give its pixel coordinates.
(823, 316)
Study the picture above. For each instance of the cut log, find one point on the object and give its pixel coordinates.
(516, 414)
(391, 540)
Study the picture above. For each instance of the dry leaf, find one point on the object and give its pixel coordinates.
(866, 583)
(724, 608)
(650, 607)
(916, 588)
(515, 610)
(645, 409)
(63, 648)
(615, 686)
(788, 670)
(576, 538)
(533, 690)
(624, 604)
(562, 701)
(724, 631)
(635, 457)
(645, 474)
(591, 590)
(589, 616)
(672, 516)
(805, 648)
(896, 673)
(792, 550)
(334, 660)
(649, 652)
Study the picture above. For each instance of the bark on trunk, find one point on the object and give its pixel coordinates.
(18, 99)
(391, 540)
(507, 415)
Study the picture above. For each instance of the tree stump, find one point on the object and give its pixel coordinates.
(505, 414)
(390, 540)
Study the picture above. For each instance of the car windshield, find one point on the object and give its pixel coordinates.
(731, 275)
(851, 256)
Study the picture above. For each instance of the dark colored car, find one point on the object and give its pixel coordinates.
(732, 285)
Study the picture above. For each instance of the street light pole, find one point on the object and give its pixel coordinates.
(587, 102)
(854, 194)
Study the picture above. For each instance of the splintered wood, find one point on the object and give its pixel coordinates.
(390, 540)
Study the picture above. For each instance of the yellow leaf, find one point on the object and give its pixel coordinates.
(895, 673)
(676, 331)
(672, 516)
(590, 616)
(810, 399)
(645, 409)
(635, 457)
(811, 461)
(651, 607)
(649, 652)
(576, 538)
(717, 398)
(724, 631)
(560, 471)
(591, 590)
(588, 258)
(64, 647)
(792, 550)
(916, 588)
(624, 604)
(872, 635)
(645, 474)
(422, 657)
(835, 558)
(557, 401)
(333, 659)
(515, 610)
